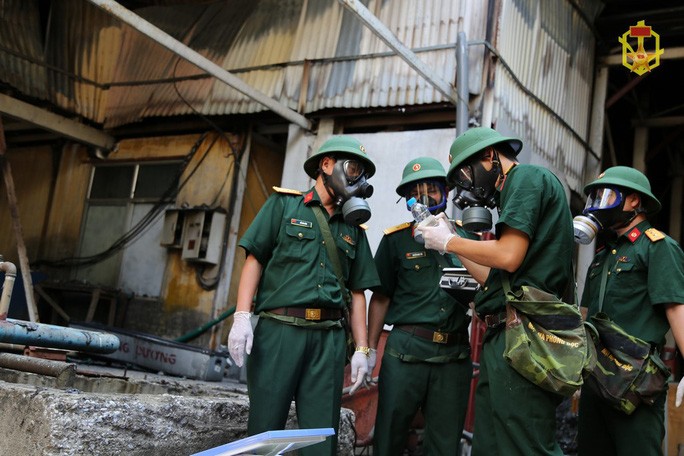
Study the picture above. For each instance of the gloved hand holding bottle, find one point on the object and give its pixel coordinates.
(422, 215)
(437, 237)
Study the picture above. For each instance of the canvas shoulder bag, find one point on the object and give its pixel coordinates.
(629, 370)
(546, 341)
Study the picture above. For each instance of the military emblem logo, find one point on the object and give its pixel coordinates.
(640, 61)
(416, 167)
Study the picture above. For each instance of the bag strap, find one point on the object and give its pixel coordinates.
(604, 280)
(506, 284)
(331, 249)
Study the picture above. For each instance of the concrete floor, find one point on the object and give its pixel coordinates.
(106, 410)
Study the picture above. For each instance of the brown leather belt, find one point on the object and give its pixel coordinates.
(438, 337)
(310, 313)
(495, 320)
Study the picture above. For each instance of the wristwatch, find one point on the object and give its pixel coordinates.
(364, 350)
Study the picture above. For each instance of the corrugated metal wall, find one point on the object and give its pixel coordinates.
(550, 50)
(91, 64)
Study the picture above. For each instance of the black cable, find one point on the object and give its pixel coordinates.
(212, 283)
(131, 235)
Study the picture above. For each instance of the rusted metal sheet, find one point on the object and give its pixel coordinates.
(31, 176)
(65, 212)
(559, 74)
(92, 64)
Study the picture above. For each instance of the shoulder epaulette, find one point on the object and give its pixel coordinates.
(287, 191)
(395, 228)
(363, 226)
(654, 235)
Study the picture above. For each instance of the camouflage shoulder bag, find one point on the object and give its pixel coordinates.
(628, 370)
(546, 341)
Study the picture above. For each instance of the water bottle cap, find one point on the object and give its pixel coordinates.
(411, 202)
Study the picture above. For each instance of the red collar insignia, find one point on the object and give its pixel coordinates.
(308, 197)
(634, 234)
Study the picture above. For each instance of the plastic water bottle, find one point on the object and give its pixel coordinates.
(420, 212)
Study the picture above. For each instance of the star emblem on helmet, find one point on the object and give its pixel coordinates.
(363, 149)
(416, 167)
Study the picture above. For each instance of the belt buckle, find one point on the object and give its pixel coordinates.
(312, 314)
(440, 337)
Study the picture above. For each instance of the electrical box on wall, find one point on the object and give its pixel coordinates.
(203, 235)
(172, 232)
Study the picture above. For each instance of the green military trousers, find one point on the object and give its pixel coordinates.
(305, 364)
(512, 415)
(604, 431)
(439, 390)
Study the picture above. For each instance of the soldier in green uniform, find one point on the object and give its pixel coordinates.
(298, 348)
(533, 246)
(644, 290)
(426, 363)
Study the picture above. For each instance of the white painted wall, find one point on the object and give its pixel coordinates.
(390, 152)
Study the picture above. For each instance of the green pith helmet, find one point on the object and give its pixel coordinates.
(475, 140)
(629, 178)
(419, 169)
(340, 146)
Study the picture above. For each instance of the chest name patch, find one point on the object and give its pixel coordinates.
(302, 223)
(414, 255)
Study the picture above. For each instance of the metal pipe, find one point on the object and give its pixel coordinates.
(10, 271)
(43, 335)
(37, 365)
(462, 84)
(200, 61)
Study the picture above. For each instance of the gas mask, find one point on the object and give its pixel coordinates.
(603, 211)
(428, 192)
(475, 192)
(348, 188)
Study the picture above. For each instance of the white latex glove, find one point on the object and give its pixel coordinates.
(680, 393)
(372, 359)
(449, 223)
(240, 337)
(437, 237)
(359, 369)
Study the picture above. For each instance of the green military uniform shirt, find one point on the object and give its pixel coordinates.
(409, 276)
(519, 417)
(533, 201)
(417, 373)
(646, 268)
(646, 271)
(286, 240)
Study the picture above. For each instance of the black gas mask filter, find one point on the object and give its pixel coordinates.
(475, 193)
(348, 188)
